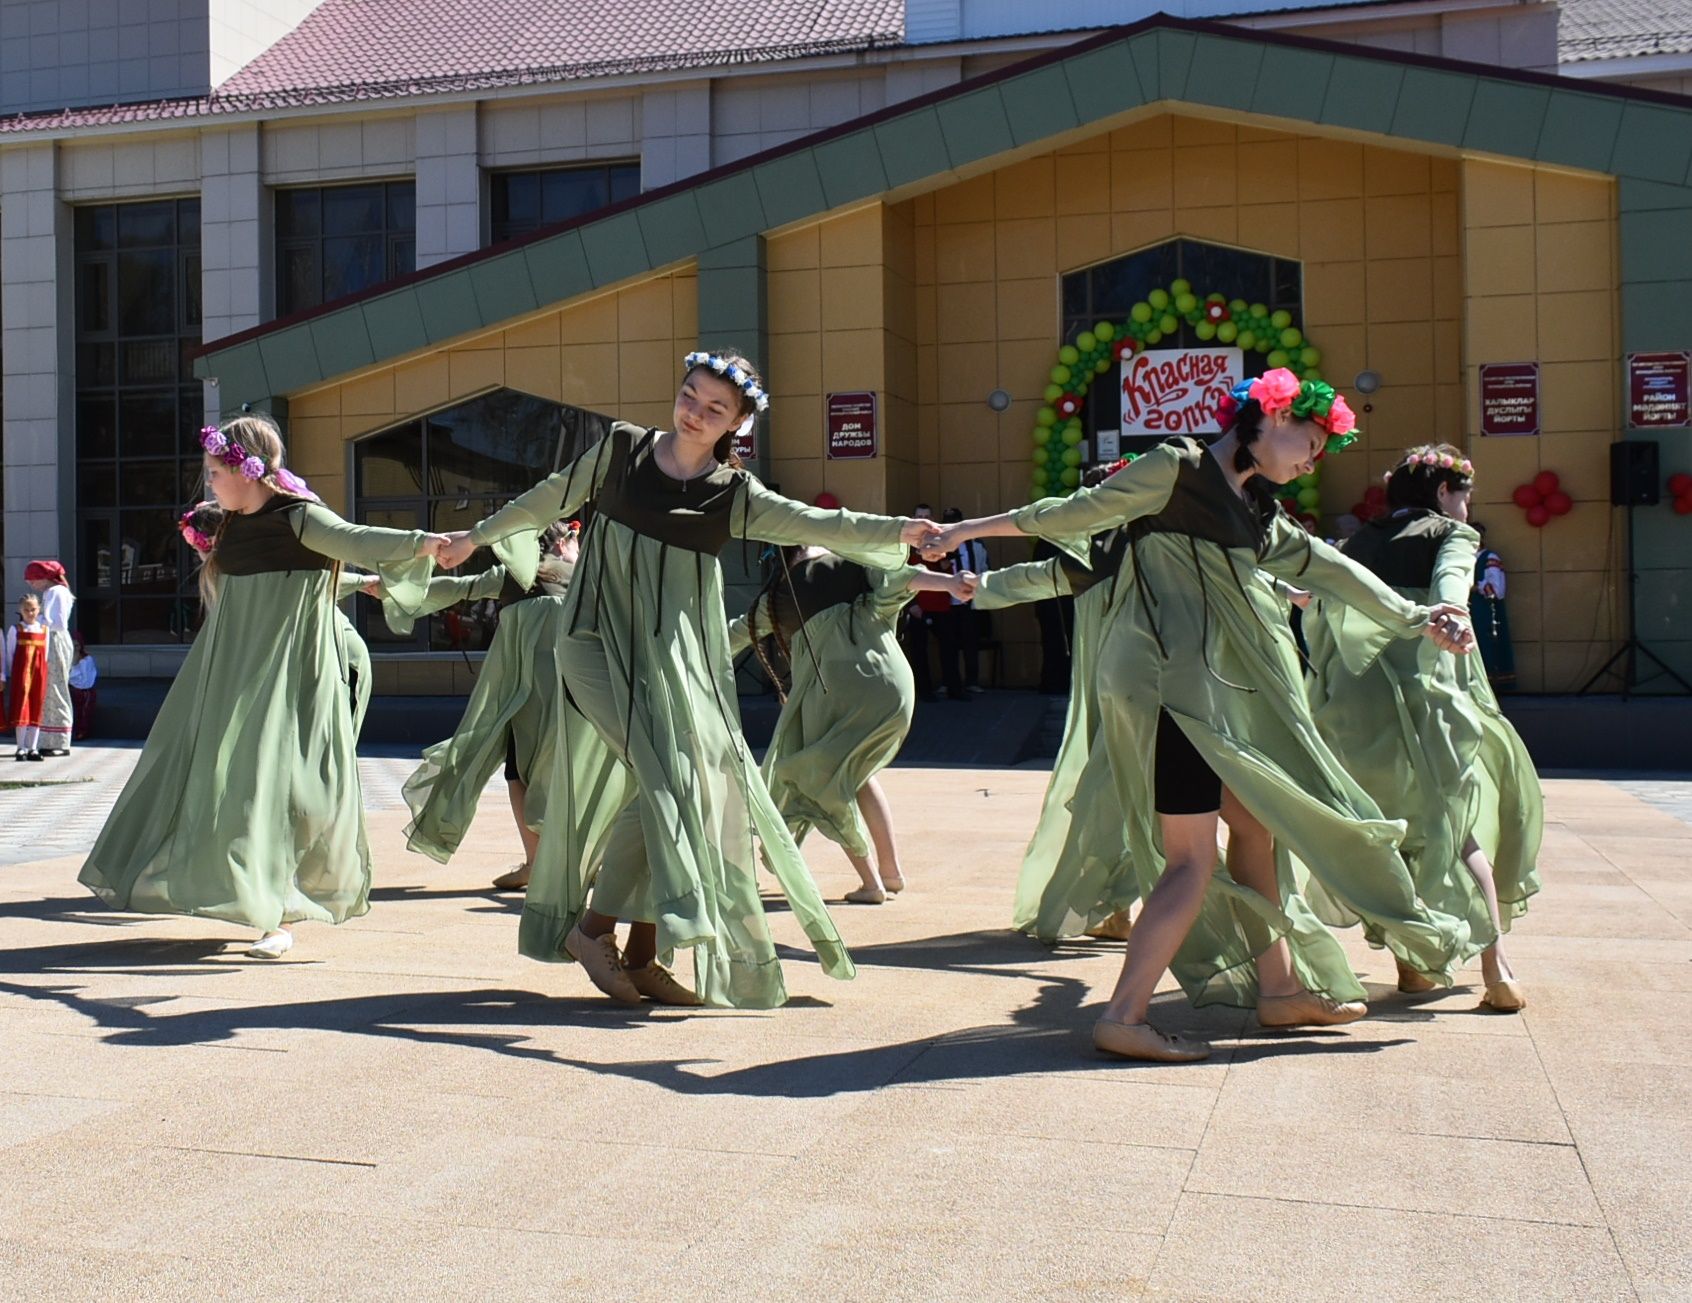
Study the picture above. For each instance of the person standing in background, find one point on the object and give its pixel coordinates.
(1491, 620)
(924, 621)
(48, 579)
(83, 675)
(960, 640)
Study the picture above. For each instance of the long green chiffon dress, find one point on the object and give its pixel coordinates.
(514, 704)
(1421, 731)
(1077, 871)
(655, 802)
(1198, 635)
(245, 804)
(850, 705)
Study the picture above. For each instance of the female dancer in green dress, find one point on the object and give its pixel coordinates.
(199, 528)
(1421, 730)
(653, 776)
(245, 804)
(511, 712)
(1204, 715)
(849, 707)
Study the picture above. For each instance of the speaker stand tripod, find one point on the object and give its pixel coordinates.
(1631, 651)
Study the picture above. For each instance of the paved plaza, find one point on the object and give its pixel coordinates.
(404, 1108)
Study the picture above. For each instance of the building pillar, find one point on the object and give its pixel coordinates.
(449, 185)
(237, 241)
(36, 297)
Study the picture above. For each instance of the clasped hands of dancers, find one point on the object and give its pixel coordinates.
(1350, 794)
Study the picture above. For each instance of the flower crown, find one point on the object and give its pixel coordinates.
(196, 540)
(252, 467)
(1309, 400)
(1435, 461)
(731, 371)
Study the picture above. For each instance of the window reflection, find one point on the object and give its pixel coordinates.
(332, 241)
(446, 471)
(519, 202)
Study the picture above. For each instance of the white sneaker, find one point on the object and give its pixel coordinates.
(272, 945)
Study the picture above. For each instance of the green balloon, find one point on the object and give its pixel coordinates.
(1159, 299)
(1053, 393)
(1247, 340)
(1141, 313)
(1278, 358)
(1310, 499)
(1310, 356)
(1104, 332)
(1227, 332)
(1102, 365)
(1060, 375)
(1258, 310)
(1185, 302)
(1236, 305)
(1040, 479)
(1280, 319)
(1071, 436)
(1086, 341)
(1046, 416)
(1042, 436)
(1205, 330)
(1168, 324)
(1154, 336)
(1310, 373)
(1308, 481)
(1263, 345)
(1072, 477)
(1072, 457)
(1180, 287)
(1290, 337)
(1040, 456)
(1069, 355)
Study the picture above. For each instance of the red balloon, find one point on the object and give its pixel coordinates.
(1559, 503)
(1680, 485)
(827, 501)
(1683, 505)
(1374, 493)
(1526, 496)
(1546, 482)
(1537, 516)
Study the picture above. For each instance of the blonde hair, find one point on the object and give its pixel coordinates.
(262, 438)
(28, 599)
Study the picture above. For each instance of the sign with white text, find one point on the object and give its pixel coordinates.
(1177, 390)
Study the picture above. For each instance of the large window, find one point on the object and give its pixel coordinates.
(338, 240)
(445, 472)
(519, 202)
(1108, 290)
(137, 409)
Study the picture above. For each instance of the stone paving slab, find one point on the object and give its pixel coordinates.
(404, 1108)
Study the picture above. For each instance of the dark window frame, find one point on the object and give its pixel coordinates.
(620, 176)
(138, 386)
(395, 232)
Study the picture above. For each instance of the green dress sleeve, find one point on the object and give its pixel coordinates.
(871, 541)
(890, 590)
(1141, 488)
(349, 583)
(560, 494)
(740, 635)
(1032, 581)
(1296, 556)
(450, 590)
(1454, 568)
(391, 553)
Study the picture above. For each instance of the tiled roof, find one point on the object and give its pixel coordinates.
(349, 50)
(1622, 29)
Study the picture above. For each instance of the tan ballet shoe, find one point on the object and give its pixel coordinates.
(1307, 1009)
(599, 958)
(658, 983)
(866, 896)
(1410, 982)
(516, 879)
(1143, 1041)
(1115, 928)
(1506, 996)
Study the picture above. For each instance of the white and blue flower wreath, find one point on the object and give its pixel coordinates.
(733, 372)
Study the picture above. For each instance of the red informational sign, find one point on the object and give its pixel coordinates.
(851, 425)
(1509, 398)
(1177, 390)
(746, 445)
(1659, 395)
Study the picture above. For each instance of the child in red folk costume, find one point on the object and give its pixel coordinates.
(25, 670)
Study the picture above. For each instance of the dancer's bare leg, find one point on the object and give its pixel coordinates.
(878, 816)
(1251, 863)
(1189, 850)
(1494, 967)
